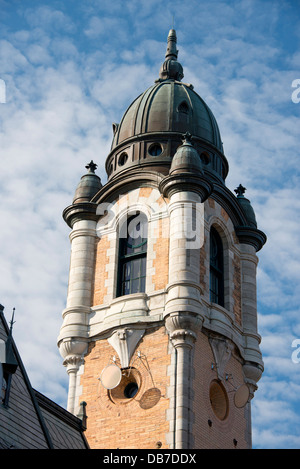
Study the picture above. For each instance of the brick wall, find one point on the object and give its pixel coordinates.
(221, 433)
(126, 424)
(160, 276)
(237, 288)
(99, 288)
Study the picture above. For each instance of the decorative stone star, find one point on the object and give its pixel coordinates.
(91, 167)
(240, 190)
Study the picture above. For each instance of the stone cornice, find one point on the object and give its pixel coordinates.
(130, 179)
(253, 236)
(80, 211)
(186, 182)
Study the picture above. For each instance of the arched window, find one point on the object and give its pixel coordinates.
(183, 107)
(132, 256)
(216, 268)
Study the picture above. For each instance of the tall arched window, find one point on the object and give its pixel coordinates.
(216, 268)
(133, 256)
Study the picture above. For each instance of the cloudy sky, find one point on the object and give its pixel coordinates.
(68, 70)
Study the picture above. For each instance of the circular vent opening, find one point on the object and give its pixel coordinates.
(205, 158)
(155, 150)
(128, 387)
(130, 390)
(219, 400)
(122, 159)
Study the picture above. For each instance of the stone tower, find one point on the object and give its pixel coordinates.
(159, 334)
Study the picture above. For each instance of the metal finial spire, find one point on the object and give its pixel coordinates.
(12, 321)
(11, 362)
(91, 167)
(240, 190)
(187, 138)
(172, 52)
(171, 68)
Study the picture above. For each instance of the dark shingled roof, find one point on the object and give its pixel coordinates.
(31, 420)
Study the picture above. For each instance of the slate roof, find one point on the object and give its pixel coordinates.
(31, 420)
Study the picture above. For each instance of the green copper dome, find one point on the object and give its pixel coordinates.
(88, 186)
(151, 128)
(246, 206)
(186, 158)
(169, 106)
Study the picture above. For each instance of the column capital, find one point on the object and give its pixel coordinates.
(183, 328)
(72, 351)
(252, 374)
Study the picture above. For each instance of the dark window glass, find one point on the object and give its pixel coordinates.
(155, 149)
(216, 268)
(122, 159)
(132, 256)
(130, 390)
(183, 107)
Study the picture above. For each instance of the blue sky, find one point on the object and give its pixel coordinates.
(70, 70)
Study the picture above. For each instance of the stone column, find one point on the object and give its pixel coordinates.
(183, 329)
(82, 263)
(72, 340)
(80, 280)
(183, 310)
(186, 238)
(249, 262)
(72, 351)
(253, 366)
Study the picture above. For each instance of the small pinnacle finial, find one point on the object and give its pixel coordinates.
(91, 167)
(171, 68)
(187, 138)
(172, 51)
(12, 320)
(240, 190)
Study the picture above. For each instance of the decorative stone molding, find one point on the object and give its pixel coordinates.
(80, 211)
(72, 351)
(222, 350)
(124, 341)
(252, 374)
(183, 327)
(82, 232)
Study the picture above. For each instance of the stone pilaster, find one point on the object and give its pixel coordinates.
(249, 262)
(81, 276)
(72, 351)
(182, 329)
(74, 330)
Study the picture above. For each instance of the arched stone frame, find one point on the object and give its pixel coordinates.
(229, 249)
(123, 234)
(120, 212)
(216, 268)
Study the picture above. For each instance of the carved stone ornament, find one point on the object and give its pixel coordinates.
(252, 374)
(72, 351)
(222, 350)
(124, 341)
(183, 327)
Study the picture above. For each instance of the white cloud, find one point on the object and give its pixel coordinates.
(69, 75)
(46, 18)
